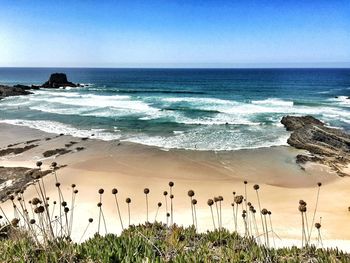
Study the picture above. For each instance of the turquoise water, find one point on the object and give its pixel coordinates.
(203, 109)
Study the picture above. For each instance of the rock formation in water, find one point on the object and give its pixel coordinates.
(325, 145)
(7, 91)
(58, 80)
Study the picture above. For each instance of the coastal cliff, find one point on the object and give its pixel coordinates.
(329, 146)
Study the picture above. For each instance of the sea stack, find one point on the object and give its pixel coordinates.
(58, 80)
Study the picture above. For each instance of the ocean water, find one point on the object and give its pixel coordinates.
(202, 109)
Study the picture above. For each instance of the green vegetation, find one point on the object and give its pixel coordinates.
(158, 243)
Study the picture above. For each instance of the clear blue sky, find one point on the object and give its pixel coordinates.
(170, 33)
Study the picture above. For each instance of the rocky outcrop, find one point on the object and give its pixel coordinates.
(325, 145)
(58, 80)
(7, 91)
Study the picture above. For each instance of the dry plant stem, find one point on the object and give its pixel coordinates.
(261, 217)
(212, 216)
(99, 216)
(314, 214)
(171, 207)
(120, 217)
(146, 208)
(192, 212)
(129, 212)
(195, 216)
(236, 217)
(217, 214)
(84, 232)
(273, 233)
(166, 208)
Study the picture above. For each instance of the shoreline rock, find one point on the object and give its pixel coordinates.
(56, 80)
(325, 145)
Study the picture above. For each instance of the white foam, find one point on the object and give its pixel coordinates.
(273, 102)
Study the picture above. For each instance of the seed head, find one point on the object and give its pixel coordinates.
(171, 196)
(128, 200)
(210, 202)
(114, 191)
(216, 199)
(165, 193)
(264, 211)
(319, 184)
(99, 204)
(302, 202)
(57, 184)
(190, 193)
(146, 191)
(245, 182)
(159, 204)
(168, 214)
(318, 225)
(90, 220)
(238, 199)
(194, 201)
(220, 198)
(36, 201)
(232, 204)
(73, 185)
(171, 184)
(75, 191)
(234, 193)
(64, 203)
(101, 191)
(66, 210)
(256, 187)
(14, 222)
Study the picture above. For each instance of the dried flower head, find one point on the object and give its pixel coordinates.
(64, 203)
(159, 204)
(171, 184)
(14, 222)
(99, 204)
(114, 191)
(128, 200)
(39, 209)
(256, 187)
(234, 193)
(194, 201)
(220, 198)
(232, 204)
(73, 185)
(101, 191)
(146, 191)
(318, 225)
(171, 196)
(238, 199)
(90, 220)
(165, 193)
(216, 199)
(210, 202)
(319, 184)
(66, 210)
(57, 184)
(190, 193)
(264, 211)
(302, 202)
(245, 182)
(75, 191)
(36, 201)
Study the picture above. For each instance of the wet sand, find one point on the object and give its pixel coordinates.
(132, 167)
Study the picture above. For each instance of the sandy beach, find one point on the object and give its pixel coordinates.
(132, 167)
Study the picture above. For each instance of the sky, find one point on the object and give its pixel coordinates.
(171, 33)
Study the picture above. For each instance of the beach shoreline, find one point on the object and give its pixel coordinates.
(131, 167)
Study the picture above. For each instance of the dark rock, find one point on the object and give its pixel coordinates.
(326, 145)
(24, 87)
(17, 150)
(293, 123)
(58, 80)
(7, 91)
(59, 151)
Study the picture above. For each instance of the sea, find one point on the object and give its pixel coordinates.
(197, 109)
